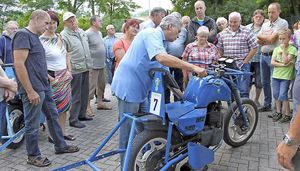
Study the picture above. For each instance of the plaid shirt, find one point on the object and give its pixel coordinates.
(238, 44)
(199, 56)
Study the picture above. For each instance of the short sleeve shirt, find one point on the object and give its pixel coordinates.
(120, 44)
(268, 29)
(201, 57)
(286, 73)
(36, 61)
(131, 81)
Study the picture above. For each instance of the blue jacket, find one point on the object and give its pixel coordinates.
(6, 49)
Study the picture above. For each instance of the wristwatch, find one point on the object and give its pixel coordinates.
(288, 141)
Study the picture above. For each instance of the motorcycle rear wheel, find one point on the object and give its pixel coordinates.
(148, 151)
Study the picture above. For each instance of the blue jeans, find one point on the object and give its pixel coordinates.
(2, 114)
(245, 82)
(127, 107)
(296, 96)
(266, 73)
(32, 122)
(109, 69)
(280, 89)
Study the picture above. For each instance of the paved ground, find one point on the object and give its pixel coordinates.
(257, 154)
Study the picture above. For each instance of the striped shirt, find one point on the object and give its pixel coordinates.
(237, 44)
(199, 56)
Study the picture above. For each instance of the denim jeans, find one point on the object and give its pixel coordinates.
(266, 73)
(109, 69)
(32, 122)
(296, 96)
(127, 107)
(280, 89)
(245, 82)
(2, 116)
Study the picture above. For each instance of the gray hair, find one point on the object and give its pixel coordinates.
(203, 31)
(157, 10)
(176, 14)
(10, 23)
(170, 20)
(235, 14)
(221, 19)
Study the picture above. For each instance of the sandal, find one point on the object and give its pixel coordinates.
(38, 161)
(68, 149)
(69, 137)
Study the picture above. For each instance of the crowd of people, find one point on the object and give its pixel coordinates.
(60, 73)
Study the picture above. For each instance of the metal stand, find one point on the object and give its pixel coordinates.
(95, 156)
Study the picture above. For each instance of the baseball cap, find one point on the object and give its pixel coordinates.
(109, 27)
(67, 15)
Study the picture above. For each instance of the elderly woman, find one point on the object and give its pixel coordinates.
(222, 23)
(131, 28)
(58, 65)
(200, 52)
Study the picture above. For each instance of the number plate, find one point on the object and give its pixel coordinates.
(155, 103)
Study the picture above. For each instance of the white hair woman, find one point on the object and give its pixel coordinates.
(200, 52)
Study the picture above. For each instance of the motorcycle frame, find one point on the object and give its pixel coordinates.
(158, 77)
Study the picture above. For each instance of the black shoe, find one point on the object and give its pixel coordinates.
(85, 119)
(277, 117)
(272, 115)
(105, 100)
(68, 149)
(77, 125)
(264, 109)
(50, 140)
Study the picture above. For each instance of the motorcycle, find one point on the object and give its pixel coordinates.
(192, 128)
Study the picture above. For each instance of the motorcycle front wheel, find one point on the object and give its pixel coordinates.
(235, 132)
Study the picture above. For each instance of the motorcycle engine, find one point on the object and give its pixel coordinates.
(212, 133)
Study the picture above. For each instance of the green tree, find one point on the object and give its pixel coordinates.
(70, 5)
(116, 9)
(6, 12)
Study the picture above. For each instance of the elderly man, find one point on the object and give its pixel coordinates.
(78, 48)
(31, 69)
(11, 28)
(109, 41)
(156, 15)
(201, 20)
(131, 82)
(238, 42)
(97, 72)
(268, 39)
(176, 48)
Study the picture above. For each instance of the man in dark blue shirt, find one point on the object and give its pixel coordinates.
(31, 69)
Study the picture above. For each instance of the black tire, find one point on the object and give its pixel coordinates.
(17, 120)
(244, 135)
(140, 143)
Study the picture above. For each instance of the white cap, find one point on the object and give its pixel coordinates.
(67, 15)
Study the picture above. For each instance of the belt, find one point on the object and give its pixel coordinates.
(267, 53)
